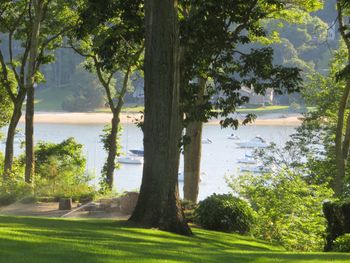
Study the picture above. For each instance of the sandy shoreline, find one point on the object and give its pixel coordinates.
(104, 118)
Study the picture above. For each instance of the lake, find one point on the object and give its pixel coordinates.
(218, 158)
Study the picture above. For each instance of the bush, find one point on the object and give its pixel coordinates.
(225, 213)
(14, 188)
(60, 170)
(338, 221)
(288, 208)
(342, 243)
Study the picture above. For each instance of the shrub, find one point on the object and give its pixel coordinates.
(289, 209)
(338, 220)
(342, 243)
(60, 170)
(225, 213)
(14, 188)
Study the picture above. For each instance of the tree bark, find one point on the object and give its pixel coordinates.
(192, 160)
(29, 118)
(193, 153)
(9, 152)
(159, 204)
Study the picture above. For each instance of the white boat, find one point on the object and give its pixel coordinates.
(206, 141)
(181, 176)
(130, 159)
(247, 160)
(233, 137)
(256, 142)
(136, 152)
(250, 154)
(255, 169)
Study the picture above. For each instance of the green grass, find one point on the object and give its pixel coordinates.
(265, 110)
(25, 239)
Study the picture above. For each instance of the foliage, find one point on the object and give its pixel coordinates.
(14, 189)
(227, 56)
(338, 221)
(112, 43)
(317, 135)
(289, 209)
(5, 101)
(225, 213)
(88, 94)
(342, 243)
(60, 170)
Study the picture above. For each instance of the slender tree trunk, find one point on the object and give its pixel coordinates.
(193, 153)
(9, 152)
(159, 204)
(29, 127)
(340, 155)
(112, 151)
(192, 160)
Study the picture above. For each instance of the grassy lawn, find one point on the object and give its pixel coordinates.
(265, 110)
(25, 239)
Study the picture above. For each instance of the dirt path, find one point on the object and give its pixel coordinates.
(51, 210)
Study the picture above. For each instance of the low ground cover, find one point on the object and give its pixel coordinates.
(27, 239)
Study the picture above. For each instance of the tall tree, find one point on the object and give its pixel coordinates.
(158, 204)
(342, 136)
(109, 50)
(225, 31)
(17, 25)
(13, 20)
(35, 21)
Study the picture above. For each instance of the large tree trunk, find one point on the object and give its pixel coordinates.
(29, 127)
(193, 153)
(159, 204)
(9, 152)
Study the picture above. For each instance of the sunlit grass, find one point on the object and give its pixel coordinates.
(24, 239)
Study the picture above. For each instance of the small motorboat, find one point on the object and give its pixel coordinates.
(250, 154)
(256, 142)
(233, 137)
(130, 159)
(207, 141)
(136, 152)
(255, 169)
(247, 160)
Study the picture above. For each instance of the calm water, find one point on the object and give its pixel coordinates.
(218, 158)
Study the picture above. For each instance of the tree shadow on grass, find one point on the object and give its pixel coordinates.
(24, 239)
